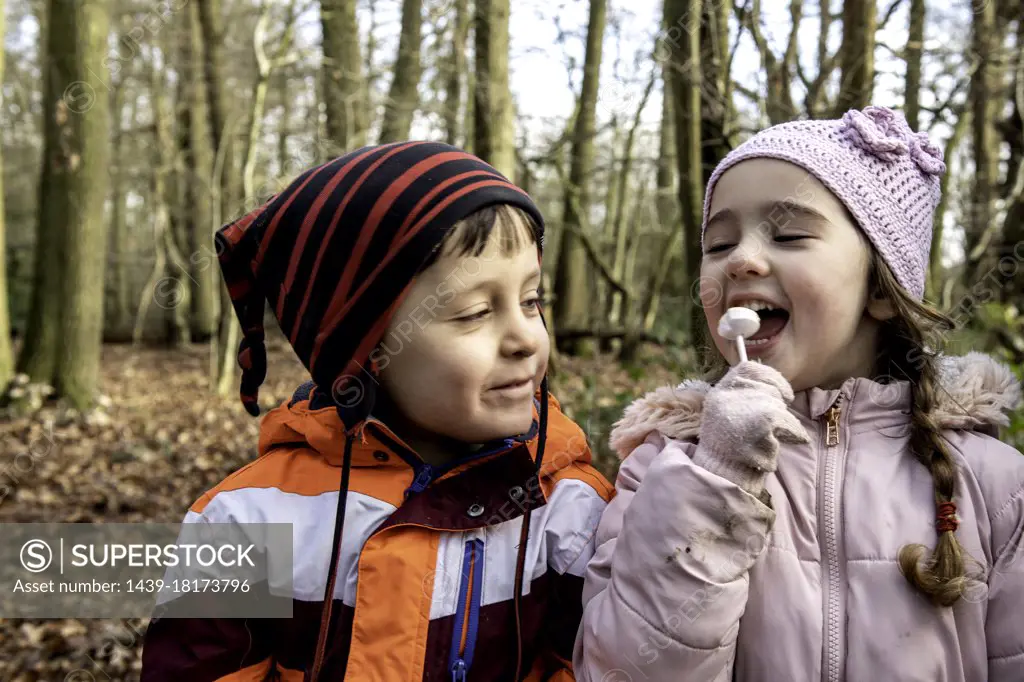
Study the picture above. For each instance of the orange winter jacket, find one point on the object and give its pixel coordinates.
(427, 562)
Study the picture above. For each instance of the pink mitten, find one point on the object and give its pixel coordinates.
(744, 420)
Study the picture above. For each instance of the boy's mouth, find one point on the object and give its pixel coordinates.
(515, 388)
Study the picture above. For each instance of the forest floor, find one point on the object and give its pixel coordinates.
(160, 440)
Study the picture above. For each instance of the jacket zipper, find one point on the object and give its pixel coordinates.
(467, 615)
(832, 669)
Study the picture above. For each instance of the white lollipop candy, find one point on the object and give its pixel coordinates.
(739, 323)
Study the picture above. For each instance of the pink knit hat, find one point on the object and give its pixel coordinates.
(886, 174)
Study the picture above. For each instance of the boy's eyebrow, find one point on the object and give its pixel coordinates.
(535, 272)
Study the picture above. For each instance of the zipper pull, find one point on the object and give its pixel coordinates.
(459, 671)
(422, 480)
(832, 424)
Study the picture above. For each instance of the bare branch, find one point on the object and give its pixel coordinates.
(895, 5)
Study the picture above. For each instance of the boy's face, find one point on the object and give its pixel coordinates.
(466, 350)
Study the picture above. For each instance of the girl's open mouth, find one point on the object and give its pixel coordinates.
(772, 323)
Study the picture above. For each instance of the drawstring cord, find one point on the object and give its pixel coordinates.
(339, 525)
(332, 575)
(524, 534)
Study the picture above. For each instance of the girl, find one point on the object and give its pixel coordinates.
(838, 508)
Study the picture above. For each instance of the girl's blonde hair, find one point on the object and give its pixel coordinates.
(908, 350)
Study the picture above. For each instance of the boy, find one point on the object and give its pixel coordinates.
(406, 278)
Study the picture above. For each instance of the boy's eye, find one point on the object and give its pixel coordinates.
(534, 302)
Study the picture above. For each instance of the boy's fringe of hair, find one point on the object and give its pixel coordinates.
(909, 348)
(469, 236)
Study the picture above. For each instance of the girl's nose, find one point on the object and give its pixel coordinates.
(748, 259)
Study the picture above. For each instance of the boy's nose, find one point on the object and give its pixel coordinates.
(519, 337)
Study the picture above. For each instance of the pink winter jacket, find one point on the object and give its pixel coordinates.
(696, 580)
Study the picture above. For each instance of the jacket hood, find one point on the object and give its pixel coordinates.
(976, 392)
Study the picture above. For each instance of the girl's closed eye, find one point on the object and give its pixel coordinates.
(473, 316)
(786, 238)
(719, 247)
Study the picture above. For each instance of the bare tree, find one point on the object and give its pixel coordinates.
(344, 89)
(456, 68)
(915, 46)
(572, 306)
(198, 176)
(6, 354)
(62, 344)
(778, 71)
(685, 68)
(493, 126)
(984, 96)
(404, 98)
(857, 55)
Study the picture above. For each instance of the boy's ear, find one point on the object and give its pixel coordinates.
(880, 307)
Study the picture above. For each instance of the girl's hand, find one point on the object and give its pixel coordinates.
(745, 419)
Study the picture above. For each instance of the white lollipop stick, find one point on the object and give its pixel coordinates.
(738, 323)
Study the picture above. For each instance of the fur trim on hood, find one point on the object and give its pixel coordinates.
(979, 392)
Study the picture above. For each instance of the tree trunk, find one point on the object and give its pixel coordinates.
(204, 277)
(404, 97)
(686, 105)
(283, 130)
(221, 127)
(915, 45)
(170, 151)
(716, 105)
(469, 119)
(857, 55)
(77, 46)
(667, 204)
(779, 105)
(225, 201)
(1013, 224)
(571, 297)
(370, 81)
(667, 200)
(6, 354)
(984, 111)
(117, 313)
(343, 75)
(494, 128)
(456, 68)
(826, 63)
(616, 306)
(935, 256)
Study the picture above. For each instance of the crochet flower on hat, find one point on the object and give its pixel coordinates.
(884, 133)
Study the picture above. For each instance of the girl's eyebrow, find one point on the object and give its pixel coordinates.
(780, 211)
(721, 215)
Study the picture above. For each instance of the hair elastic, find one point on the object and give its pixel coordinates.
(946, 518)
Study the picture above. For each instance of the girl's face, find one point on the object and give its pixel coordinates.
(780, 242)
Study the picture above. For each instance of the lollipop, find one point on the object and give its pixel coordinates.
(738, 323)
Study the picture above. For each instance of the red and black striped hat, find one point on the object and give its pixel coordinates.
(334, 253)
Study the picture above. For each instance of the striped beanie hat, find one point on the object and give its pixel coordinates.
(334, 253)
